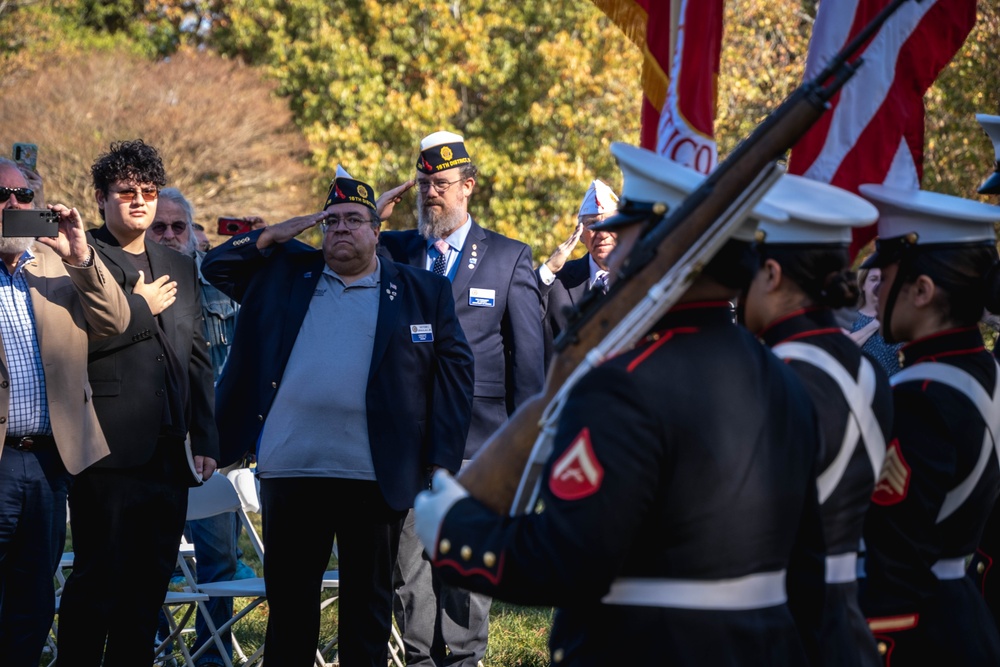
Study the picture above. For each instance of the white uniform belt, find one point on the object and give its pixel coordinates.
(754, 591)
(949, 568)
(842, 568)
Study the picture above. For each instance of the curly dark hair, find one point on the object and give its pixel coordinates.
(128, 161)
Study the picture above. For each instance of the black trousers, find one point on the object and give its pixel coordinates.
(301, 517)
(127, 526)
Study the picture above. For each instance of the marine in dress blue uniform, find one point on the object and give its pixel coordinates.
(985, 565)
(790, 305)
(941, 475)
(670, 512)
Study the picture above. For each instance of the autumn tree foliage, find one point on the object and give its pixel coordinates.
(227, 141)
(539, 89)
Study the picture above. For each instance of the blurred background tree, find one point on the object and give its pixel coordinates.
(538, 89)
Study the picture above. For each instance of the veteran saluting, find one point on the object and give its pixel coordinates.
(350, 378)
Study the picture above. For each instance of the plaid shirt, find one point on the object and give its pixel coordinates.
(29, 407)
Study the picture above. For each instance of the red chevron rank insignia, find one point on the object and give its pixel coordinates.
(577, 474)
(894, 480)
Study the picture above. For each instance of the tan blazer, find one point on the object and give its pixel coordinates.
(71, 306)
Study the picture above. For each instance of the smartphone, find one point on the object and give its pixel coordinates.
(26, 154)
(32, 223)
(233, 226)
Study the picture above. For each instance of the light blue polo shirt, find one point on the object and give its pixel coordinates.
(318, 424)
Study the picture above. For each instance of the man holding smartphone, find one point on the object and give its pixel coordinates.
(48, 429)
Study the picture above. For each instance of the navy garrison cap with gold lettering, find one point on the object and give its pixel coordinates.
(440, 151)
(346, 190)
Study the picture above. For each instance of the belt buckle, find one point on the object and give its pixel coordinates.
(25, 444)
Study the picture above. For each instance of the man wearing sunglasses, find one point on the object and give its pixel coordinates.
(498, 303)
(214, 538)
(349, 378)
(152, 391)
(48, 428)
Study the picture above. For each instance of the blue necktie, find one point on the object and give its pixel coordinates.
(441, 261)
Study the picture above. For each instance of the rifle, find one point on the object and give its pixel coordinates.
(504, 473)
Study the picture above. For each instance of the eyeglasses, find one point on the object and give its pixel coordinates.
(23, 195)
(352, 222)
(160, 228)
(440, 186)
(148, 194)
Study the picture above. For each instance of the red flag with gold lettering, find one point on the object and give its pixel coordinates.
(680, 41)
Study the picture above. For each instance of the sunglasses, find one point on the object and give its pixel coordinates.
(148, 194)
(160, 228)
(23, 195)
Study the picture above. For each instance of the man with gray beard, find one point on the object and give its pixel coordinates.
(55, 294)
(499, 307)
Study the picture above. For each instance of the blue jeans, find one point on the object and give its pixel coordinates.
(33, 488)
(214, 542)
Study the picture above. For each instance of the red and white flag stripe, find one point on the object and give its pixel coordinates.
(681, 41)
(874, 132)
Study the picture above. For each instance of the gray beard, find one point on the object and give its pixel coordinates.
(15, 245)
(435, 225)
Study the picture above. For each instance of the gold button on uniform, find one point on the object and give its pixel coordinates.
(489, 559)
(466, 552)
(539, 506)
(558, 655)
(444, 547)
(980, 567)
(882, 648)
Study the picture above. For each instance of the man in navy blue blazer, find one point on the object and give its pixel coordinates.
(498, 303)
(349, 379)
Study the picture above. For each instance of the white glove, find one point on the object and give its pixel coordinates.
(431, 507)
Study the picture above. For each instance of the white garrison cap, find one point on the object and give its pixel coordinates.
(651, 178)
(600, 199)
(818, 213)
(991, 186)
(932, 216)
(439, 138)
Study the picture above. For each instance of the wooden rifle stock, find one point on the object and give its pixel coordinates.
(494, 475)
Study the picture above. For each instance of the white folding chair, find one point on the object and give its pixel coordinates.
(217, 496)
(248, 489)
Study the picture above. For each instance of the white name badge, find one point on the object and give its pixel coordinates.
(483, 298)
(422, 333)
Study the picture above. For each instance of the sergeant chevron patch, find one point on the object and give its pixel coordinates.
(577, 474)
(894, 480)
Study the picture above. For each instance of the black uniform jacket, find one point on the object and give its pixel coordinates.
(128, 372)
(846, 639)
(504, 328)
(690, 457)
(419, 394)
(937, 441)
